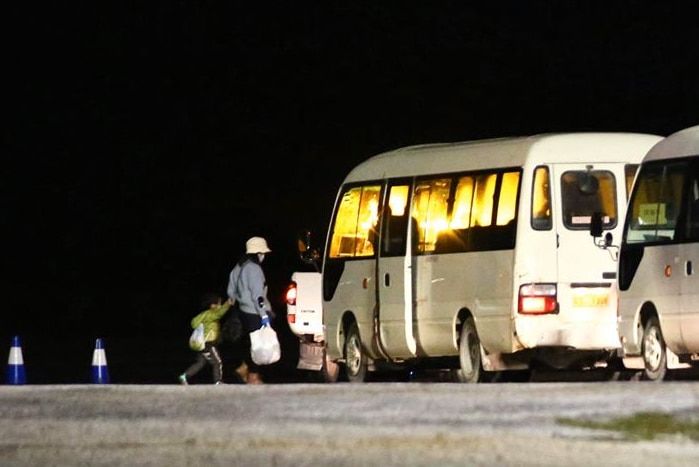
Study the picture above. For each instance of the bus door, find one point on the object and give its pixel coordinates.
(349, 268)
(586, 273)
(395, 272)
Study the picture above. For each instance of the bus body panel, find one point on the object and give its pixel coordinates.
(356, 293)
(483, 283)
(651, 286)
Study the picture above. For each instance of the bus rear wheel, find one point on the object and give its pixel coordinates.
(471, 366)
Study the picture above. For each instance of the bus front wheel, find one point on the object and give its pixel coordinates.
(355, 358)
(654, 351)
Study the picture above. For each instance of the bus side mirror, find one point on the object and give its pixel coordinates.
(596, 230)
(596, 224)
(608, 239)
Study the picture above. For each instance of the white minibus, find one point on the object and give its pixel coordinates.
(658, 286)
(474, 257)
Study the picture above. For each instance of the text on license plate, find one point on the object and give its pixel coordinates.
(591, 300)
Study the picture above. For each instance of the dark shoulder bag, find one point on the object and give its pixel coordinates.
(232, 327)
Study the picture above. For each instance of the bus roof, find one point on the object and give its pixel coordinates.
(679, 144)
(505, 152)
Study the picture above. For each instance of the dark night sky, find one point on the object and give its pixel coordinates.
(144, 144)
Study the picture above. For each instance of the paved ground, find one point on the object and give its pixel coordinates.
(376, 424)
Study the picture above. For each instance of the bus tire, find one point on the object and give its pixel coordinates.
(355, 358)
(471, 366)
(654, 351)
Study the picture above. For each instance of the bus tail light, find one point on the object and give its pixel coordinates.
(537, 299)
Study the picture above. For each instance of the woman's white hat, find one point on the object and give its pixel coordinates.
(257, 245)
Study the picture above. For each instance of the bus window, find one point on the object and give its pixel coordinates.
(654, 210)
(356, 219)
(482, 216)
(586, 192)
(541, 200)
(507, 200)
(494, 210)
(461, 214)
(430, 204)
(395, 219)
(482, 210)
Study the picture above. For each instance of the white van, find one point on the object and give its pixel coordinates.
(658, 286)
(475, 257)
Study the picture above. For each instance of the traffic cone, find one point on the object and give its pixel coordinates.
(15, 364)
(100, 374)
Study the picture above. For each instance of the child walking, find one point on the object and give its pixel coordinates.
(214, 310)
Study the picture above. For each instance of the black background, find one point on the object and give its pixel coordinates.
(144, 144)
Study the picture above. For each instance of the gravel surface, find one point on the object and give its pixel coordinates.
(386, 424)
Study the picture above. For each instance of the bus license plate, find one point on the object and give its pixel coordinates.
(591, 300)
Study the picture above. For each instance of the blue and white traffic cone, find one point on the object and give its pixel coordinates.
(100, 374)
(15, 364)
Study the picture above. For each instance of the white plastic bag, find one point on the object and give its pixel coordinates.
(196, 340)
(264, 346)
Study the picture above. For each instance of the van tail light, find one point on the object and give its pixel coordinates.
(537, 299)
(290, 295)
